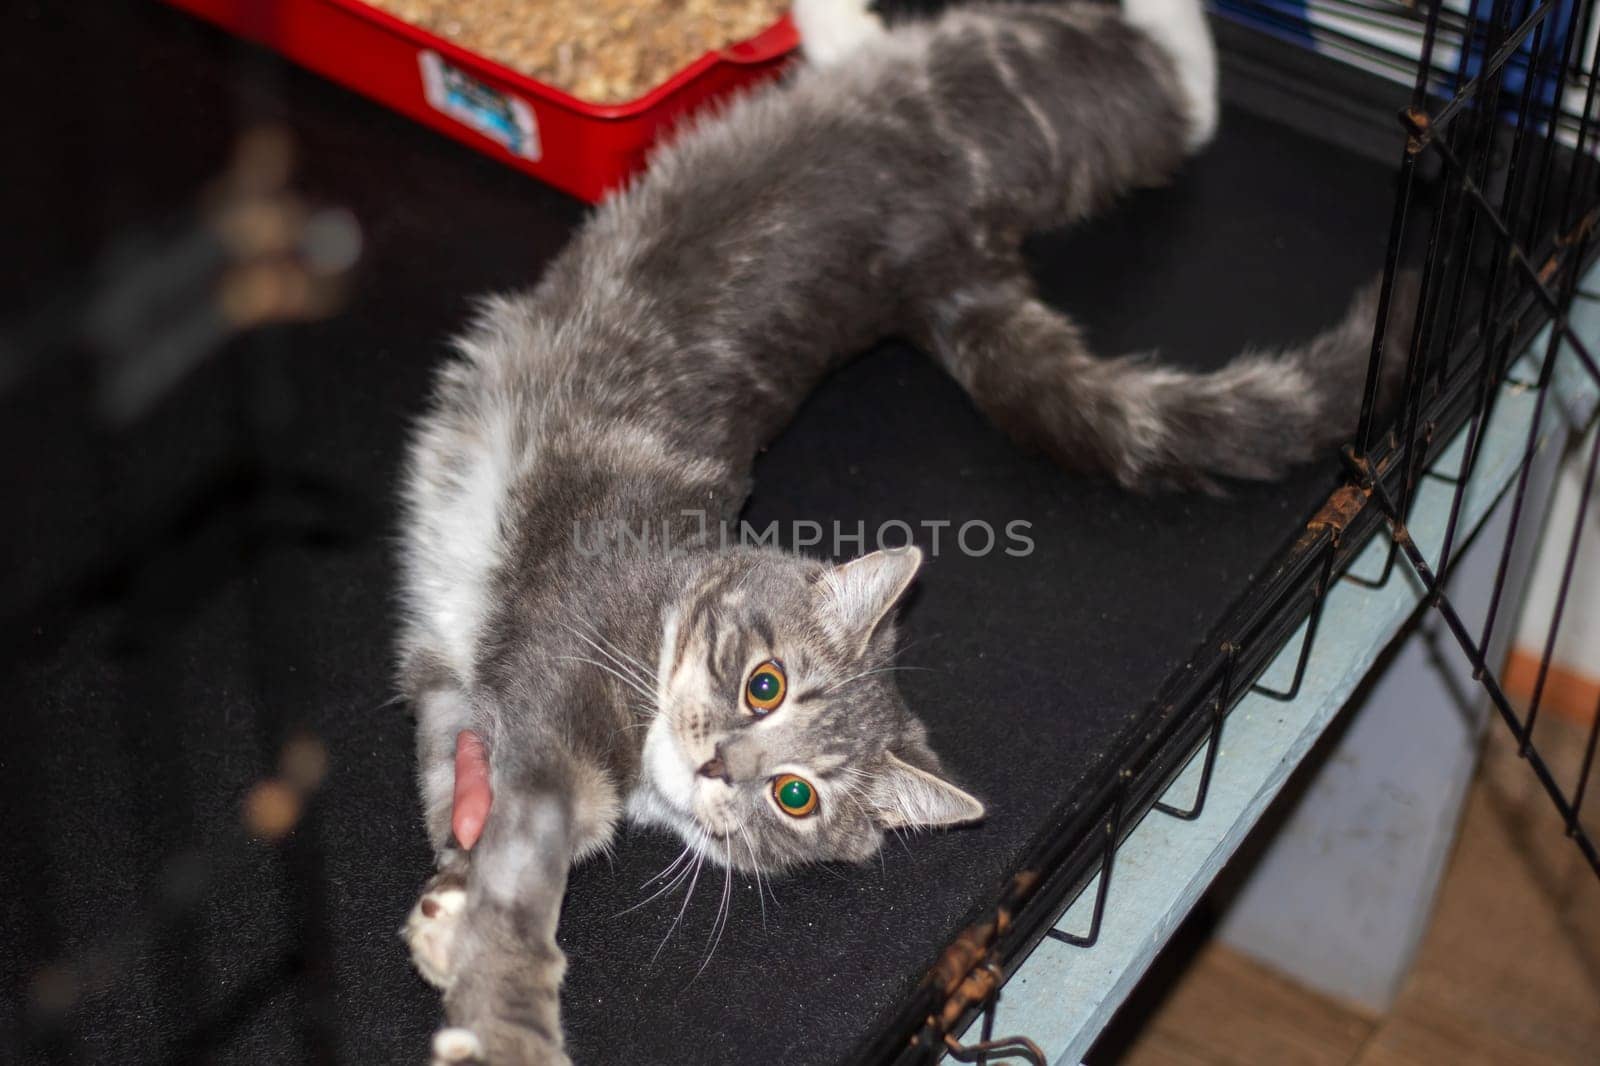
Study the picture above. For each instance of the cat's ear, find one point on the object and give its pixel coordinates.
(908, 798)
(857, 595)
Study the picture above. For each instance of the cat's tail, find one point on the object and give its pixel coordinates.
(1151, 425)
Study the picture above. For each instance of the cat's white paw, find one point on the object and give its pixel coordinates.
(455, 1046)
(1179, 28)
(430, 931)
(832, 29)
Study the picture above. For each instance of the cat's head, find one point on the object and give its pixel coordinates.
(781, 737)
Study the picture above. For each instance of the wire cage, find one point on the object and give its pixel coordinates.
(1491, 235)
(1497, 195)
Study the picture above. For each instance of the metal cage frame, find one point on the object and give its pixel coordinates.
(1501, 255)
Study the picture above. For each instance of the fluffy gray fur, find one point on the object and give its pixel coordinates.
(884, 192)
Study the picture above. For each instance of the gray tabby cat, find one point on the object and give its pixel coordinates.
(733, 695)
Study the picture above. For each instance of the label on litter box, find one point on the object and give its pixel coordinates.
(497, 115)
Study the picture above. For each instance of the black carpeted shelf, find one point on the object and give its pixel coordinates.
(181, 593)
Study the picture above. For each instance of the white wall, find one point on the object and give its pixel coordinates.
(1578, 641)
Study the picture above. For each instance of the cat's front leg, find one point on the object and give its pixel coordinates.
(484, 933)
(505, 993)
(456, 1047)
(430, 929)
(501, 992)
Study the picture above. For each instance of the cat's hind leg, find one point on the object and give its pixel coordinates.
(430, 929)
(1179, 29)
(832, 29)
(444, 713)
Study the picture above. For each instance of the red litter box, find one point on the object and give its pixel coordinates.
(585, 149)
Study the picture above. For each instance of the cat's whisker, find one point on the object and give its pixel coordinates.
(676, 880)
(619, 658)
(855, 773)
(837, 685)
(915, 642)
(685, 854)
(847, 794)
(626, 662)
(397, 698)
(700, 859)
(631, 726)
(613, 671)
(853, 789)
(669, 867)
(646, 670)
(632, 682)
(724, 908)
(900, 835)
(744, 579)
(672, 881)
(755, 868)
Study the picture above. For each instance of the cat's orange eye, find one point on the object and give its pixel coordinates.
(794, 795)
(766, 688)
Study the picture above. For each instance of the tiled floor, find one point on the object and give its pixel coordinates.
(1508, 973)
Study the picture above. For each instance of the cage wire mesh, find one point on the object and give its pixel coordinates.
(1497, 195)
(1506, 246)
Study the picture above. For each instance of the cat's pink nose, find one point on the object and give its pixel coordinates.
(715, 768)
